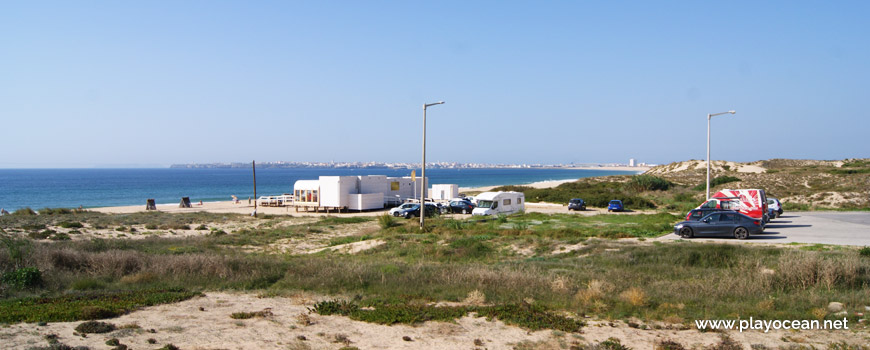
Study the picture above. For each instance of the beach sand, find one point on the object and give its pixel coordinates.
(205, 323)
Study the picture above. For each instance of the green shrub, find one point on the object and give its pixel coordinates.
(59, 236)
(864, 252)
(151, 226)
(386, 221)
(55, 211)
(524, 315)
(41, 234)
(71, 224)
(849, 171)
(641, 183)
(26, 211)
(95, 327)
(87, 305)
(716, 181)
(26, 277)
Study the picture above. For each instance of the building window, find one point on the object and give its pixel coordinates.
(506, 201)
(519, 201)
(394, 186)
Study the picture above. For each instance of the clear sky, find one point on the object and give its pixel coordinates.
(151, 83)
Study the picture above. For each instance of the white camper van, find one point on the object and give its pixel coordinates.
(494, 203)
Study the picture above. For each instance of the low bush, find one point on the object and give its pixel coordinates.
(864, 252)
(641, 183)
(41, 234)
(386, 221)
(70, 224)
(716, 181)
(24, 212)
(95, 327)
(86, 305)
(252, 314)
(525, 315)
(27, 277)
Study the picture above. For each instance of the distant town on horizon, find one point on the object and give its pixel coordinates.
(400, 165)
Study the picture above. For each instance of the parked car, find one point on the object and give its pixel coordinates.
(576, 204)
(727, 224)
(462, 207)
(431, 210)
(397, 211)
(775, 204)
(697, 214)
(615, 205)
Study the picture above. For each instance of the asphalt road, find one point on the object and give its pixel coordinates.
(842, 228)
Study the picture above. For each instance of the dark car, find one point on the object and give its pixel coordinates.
(697, 214)
(725, 224)
(461, 207)
(431, 210)
(615, 205)
(576, 204)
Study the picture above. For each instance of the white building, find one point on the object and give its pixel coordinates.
(354, 192)
(444, 192)
(631, 162)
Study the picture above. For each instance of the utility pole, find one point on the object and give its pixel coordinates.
(254, 168)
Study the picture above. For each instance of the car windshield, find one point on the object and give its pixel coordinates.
(576, 201)
(484, 204)
(615, 202)
(407, 205)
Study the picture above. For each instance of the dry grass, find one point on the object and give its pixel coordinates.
(803, 270)
(634, 296)
(475, 297)
(594, 291)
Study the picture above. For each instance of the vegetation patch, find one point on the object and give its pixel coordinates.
(716, 181)
(524, 315)
(88, 305)
(95, 327)
(26, 277)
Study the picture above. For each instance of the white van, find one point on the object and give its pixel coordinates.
(494, 203)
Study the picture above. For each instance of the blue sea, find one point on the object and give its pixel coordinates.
(71, 188)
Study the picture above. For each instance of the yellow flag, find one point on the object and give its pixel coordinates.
(413, 175)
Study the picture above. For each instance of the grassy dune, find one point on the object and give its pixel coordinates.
(536, 266)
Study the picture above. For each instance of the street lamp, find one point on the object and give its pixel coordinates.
(423, 173)
(709, 116)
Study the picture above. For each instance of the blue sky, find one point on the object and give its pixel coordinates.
(151, 83)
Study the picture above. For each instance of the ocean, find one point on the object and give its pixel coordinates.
(89, 188)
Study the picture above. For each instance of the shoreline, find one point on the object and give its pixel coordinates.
(243, 208)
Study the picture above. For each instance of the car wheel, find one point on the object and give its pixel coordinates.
(686, 232)
(465, 211)
(408, 215)
(741, 233)
(396, 214)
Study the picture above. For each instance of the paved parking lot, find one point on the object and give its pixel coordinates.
(843, 228)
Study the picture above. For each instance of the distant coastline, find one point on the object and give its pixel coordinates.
(382, 165)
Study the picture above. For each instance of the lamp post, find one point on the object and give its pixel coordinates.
(710, 116)
(423, 172)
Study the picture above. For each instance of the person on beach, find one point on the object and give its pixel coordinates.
(3, 212)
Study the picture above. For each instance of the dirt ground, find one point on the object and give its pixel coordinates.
(205, 323)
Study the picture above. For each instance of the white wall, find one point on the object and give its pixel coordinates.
(365, 201)
(334, 190)
(444, 191)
